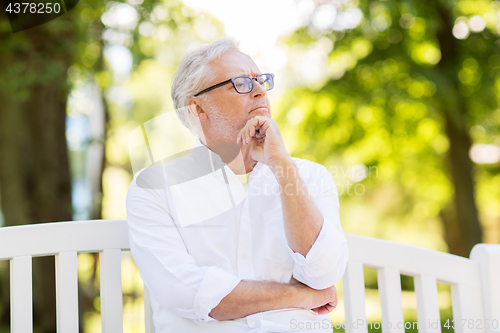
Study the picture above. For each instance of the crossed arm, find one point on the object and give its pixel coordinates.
(250, 297)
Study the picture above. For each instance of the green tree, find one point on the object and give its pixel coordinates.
(34, 172)
(401, 92)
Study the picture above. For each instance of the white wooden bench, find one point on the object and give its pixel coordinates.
(475, 282)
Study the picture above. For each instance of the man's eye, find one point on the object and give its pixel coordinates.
(241, 85)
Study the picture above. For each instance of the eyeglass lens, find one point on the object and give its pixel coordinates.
(245, 84)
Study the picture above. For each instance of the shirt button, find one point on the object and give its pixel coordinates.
(244, 255)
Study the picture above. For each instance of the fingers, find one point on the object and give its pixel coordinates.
(327, 308)
(330, 307)
(253, 128)
(321, 310)
(245, 135)
(259, 134)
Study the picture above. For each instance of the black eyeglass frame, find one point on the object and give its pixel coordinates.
(231, 80)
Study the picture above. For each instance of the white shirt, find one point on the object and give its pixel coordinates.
(194, 240)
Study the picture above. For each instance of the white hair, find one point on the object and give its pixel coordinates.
(194, 73)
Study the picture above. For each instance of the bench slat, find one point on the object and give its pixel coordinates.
(67, 292)
(389, 286)
(353, 288)
(468, 309)
(21, 305)
(111, 291)
(427, 304)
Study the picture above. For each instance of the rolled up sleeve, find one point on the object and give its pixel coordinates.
(325, 263)
(169, 272)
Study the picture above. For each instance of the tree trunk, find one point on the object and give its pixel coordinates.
(454, 109)
(34, 169)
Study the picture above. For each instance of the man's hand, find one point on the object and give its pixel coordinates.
(327, 308)
(320, 301)
(263, 134)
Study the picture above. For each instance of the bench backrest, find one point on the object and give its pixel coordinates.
(470, 279)
(474, 282)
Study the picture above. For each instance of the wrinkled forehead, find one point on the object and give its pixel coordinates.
(232, 63)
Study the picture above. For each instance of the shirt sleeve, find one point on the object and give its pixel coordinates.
(168, 271)
(325, 263)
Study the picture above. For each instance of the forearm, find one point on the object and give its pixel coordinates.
(250, 297)
(302, 219)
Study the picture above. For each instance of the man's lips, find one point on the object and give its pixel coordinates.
(259, 107)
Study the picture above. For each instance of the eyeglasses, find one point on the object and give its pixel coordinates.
(244, 84)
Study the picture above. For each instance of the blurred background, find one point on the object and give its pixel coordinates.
(398, 99)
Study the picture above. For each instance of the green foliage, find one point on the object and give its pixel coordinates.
(381, 98)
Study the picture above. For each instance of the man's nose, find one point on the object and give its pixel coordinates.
(258, 90)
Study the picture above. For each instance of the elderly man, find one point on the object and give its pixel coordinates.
(268, 260)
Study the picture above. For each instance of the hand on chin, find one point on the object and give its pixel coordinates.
(263, 136)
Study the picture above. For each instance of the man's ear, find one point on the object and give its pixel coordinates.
(196, 110)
